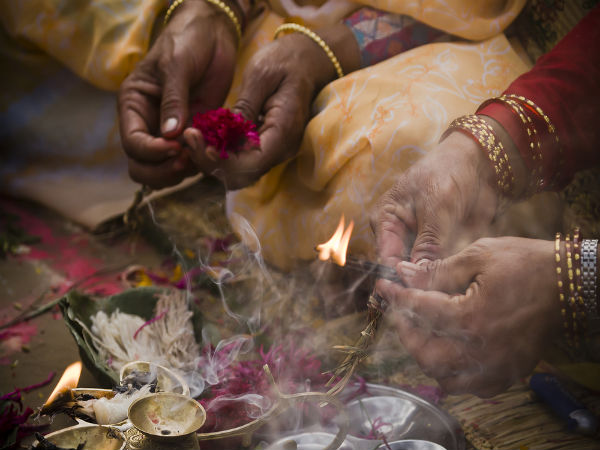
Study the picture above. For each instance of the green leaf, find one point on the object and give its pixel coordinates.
(78, 308)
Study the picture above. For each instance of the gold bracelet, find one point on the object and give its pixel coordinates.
(218, 3)
(170, 10)
(290, 27)
(476, 127)
(561, 289)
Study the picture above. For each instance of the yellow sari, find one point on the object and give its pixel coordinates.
(367, 127)
(371, 125)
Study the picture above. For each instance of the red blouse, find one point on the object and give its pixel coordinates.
(565, 84)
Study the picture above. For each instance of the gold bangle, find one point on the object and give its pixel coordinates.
(218, 3)
(174, 5)
(315, 37)
(476, 127)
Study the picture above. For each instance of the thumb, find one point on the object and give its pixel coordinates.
(174, 107)
(452, 275)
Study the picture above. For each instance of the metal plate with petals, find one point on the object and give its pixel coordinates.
(401, 415)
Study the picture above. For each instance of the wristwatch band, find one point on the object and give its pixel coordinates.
(589, 249)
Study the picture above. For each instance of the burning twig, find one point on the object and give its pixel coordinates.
(379, 270)
(335, 249)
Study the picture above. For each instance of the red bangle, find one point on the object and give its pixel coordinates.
(534, 136)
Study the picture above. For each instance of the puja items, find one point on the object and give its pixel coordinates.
(110, 406)
(163, 420)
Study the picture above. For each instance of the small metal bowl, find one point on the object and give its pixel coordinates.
(403, 416)
(411, 444)
(166, 415)
(94, 437)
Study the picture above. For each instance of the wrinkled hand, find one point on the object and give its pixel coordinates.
(279, 85)
(478, 320)
(441, 204)
(188, 69)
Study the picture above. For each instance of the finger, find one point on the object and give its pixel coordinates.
(437, 357)
(241, 170)
(256, 88)
(447, 360)
(148, 149)
(436, 310)
(195, 141)
(139, 144)
(451, 275)
(393, 225)
(157, 176)
(174, 109)
(431, 225)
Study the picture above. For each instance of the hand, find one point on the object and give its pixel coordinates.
(486, 316)
(279, 85)
(441, 204)
(188, 69)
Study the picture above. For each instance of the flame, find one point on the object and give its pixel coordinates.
(336, 247)
(68, 381)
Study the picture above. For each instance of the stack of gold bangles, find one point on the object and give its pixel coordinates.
(576, 278)
(543, 154)
(477, 128)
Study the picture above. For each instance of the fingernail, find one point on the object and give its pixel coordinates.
(405, 272)
(170, 125)
(409, 267)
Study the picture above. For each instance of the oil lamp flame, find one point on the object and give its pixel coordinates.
(336, 247)
(68, 381)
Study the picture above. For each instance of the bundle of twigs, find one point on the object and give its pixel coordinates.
(358, 352)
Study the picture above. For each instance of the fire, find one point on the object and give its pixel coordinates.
(336, 247)
(68, 381)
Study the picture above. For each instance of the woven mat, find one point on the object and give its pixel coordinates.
(512, 420)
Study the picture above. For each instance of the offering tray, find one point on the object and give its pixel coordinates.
(136, 432)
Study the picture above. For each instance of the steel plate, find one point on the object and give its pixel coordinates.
(402, 415)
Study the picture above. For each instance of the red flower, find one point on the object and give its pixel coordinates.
(226, 131)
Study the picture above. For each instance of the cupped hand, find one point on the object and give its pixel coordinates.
(278, 87)
(441, 204)
(188, 69)
(478, 320)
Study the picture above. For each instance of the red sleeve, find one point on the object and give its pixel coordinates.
(565, 84)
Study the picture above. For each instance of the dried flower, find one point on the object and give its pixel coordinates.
(292, 368)
(13, 417)
(226, 131)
